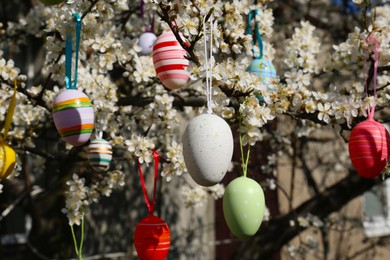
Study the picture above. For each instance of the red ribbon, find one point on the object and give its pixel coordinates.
(371, 38)
(148, 204)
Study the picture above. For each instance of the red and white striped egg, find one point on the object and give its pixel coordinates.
(99, 154)
(369, 146)
(73, 116)
(169, 61)
(152, 238)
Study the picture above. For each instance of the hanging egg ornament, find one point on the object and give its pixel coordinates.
(51, 2)
(73, 116)
(207, 149)
(243, 206)
(99, 154)
(264, 69)
(146, 42)
(152, 238)
(369, 146)
(7, 161)
(169, 61)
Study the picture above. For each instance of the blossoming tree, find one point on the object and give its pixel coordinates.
(323, 64)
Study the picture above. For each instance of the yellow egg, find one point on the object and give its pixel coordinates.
(7, 161)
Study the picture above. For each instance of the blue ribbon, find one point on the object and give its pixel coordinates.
(69, 53)
(252, 15)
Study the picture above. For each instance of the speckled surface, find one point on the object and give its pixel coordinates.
(207, 149)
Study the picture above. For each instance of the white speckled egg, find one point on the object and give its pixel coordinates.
(207, 149)
(146, 41)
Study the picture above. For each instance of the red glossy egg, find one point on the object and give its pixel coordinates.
(369, 146)
(152, 238)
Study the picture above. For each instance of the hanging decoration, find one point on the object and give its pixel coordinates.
(263, 68)
(147, 38)
(243, 202)
(52, 2)
(152, 236)
(7, 154)
(208, 139)
(170, 62)
(99, 154)
(369, 142)
(73, 113)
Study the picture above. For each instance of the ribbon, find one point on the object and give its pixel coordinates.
(252, 15)
(369, 40)
(69, 53)
(208, 63)
(149, 204)
(10, 113)
(142, 11)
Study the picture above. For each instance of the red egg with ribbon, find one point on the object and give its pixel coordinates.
(169, 61)
(369, 142)
(152, 238)
(369, 146)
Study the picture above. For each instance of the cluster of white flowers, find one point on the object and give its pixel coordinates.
(140, 148)
(1, 188)
(175, 165)
(197, 196)
(78, 197)
(254, 116)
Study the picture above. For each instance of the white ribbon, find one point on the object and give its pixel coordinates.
(208, 65)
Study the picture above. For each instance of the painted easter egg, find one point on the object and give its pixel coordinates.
(99, 154)
(369, 146)
(146, 41)
(169, 61)
(152, 238)
(51, 2)
(264, 69)
(7, 161)
(243, 206)
(73, 116)
(207, 149)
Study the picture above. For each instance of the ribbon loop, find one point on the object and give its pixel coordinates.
(208, 63)
(10, 113)
(150, 204)
(371, 39)
(69, 53)
(252, 16)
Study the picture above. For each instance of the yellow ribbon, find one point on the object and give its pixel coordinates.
(10, 113)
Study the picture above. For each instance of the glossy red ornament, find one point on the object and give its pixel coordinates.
(152, 238)
(369, 146)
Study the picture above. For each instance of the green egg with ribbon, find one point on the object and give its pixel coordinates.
(243, 206)
(259, 66)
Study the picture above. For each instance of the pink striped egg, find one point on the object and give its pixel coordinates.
(369, 146)
(169, 61)
(73, 116)
(99, 154)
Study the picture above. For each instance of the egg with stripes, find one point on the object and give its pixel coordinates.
(369, 146)
(7, 161)
(169, 61)
(99, 154)
(73, 116)
(265, 70)
(152, 238)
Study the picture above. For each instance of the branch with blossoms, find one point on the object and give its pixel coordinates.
(168, 15)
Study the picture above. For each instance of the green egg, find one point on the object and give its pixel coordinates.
(243, 207)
